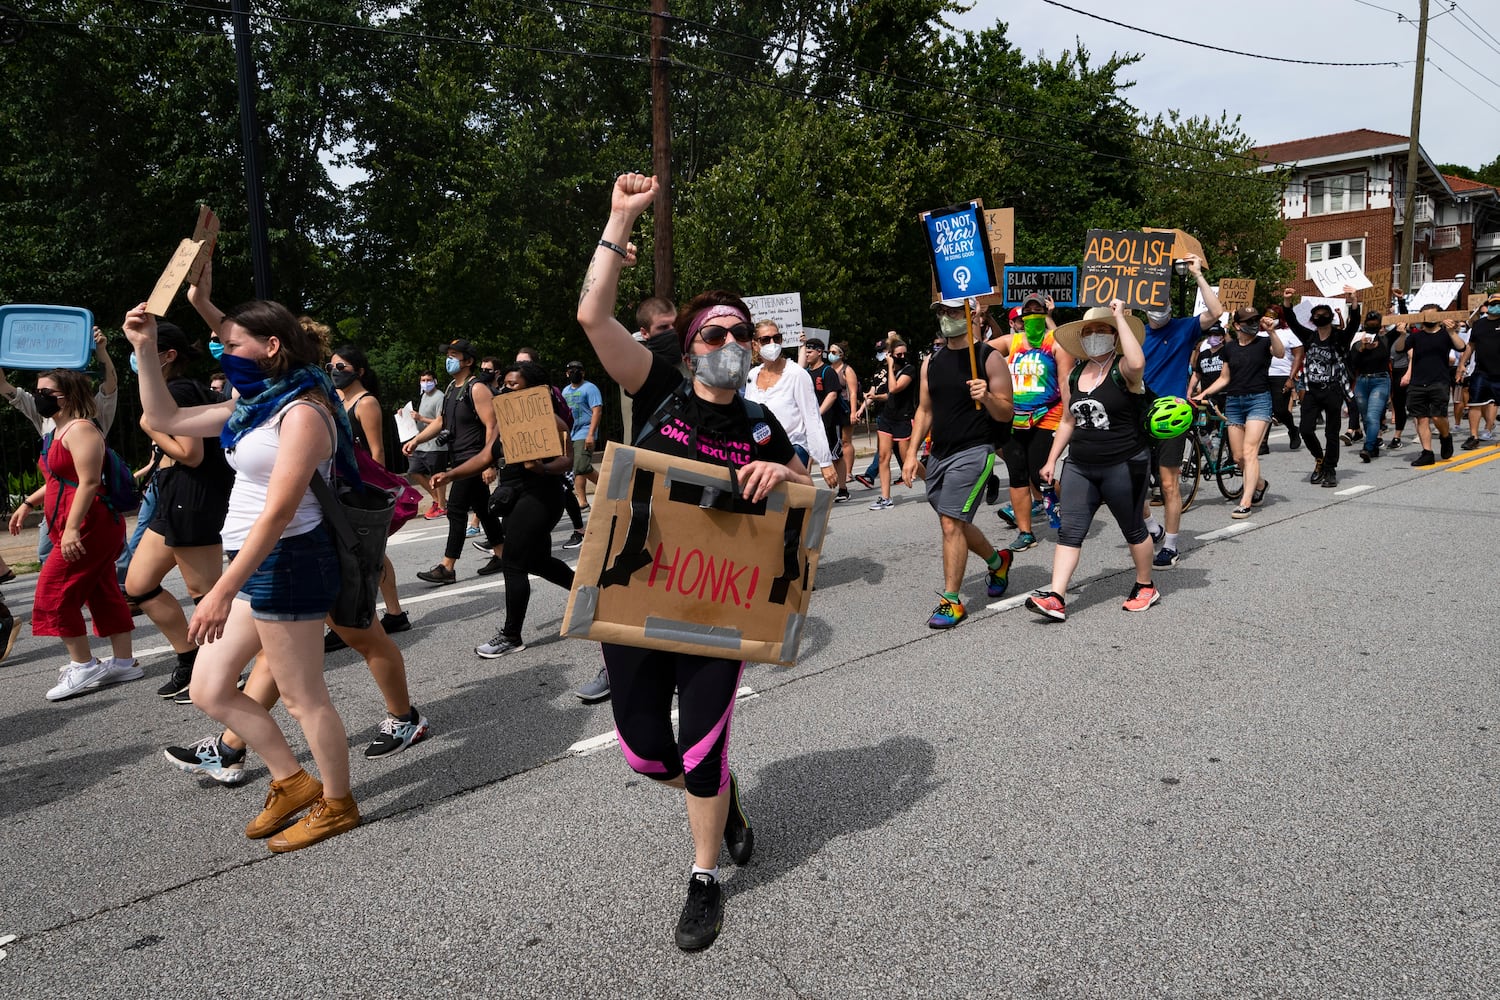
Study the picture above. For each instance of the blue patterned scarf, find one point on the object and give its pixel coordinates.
(255, 410)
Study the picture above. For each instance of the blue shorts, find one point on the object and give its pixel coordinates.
(297, 582)
(1240, 409)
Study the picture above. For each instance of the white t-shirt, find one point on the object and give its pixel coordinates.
(1283, 365)
(795, 406)
(252, 459)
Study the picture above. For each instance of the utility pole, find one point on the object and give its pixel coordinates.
(1409, 227)
(260, 250)
(661, 151)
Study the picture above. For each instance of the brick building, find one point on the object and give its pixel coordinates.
(1345, 194)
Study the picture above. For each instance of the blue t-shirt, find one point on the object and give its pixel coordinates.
(581, 400)
(1168, 352)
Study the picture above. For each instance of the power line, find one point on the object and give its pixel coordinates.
(1376, 6)
(1470, 19)
(1439, 68)
(1214, 48)
(1461, 62)
(1482, 40)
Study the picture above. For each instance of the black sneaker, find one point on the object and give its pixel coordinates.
(398, 734)
(499, 646)
(333, 642)
(395, 623)
(702, 914)
(1293, 439)
(438, 574)
(482, 544)
(574, 540)
(1470, 443)
(1445, 447)
(738, 836)
(177, 684)
(842, 496)
(491, 567)
(8, 632)
(1425, 458)
(992, 491)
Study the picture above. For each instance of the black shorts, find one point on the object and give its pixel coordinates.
(1427, 401)
(1025, 452)
(1169, 453)
(897, 428)
(425, 463)
(831, 430)
(1483, 390)
(188, 513)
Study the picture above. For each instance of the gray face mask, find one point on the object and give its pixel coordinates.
(724, 368)
(953, 326)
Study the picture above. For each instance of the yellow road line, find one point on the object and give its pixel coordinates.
(1471, 463)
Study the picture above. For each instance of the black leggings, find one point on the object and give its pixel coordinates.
(1025, 453)
(1281, 401)
(1122, 487)
(528, 549)
(1398, 401)
(641, 684)
(465, 495)
(1327, 400)
(570, 504)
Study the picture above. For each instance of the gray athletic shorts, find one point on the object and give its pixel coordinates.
(956, 484)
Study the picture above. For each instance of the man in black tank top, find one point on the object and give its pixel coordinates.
(960, 411)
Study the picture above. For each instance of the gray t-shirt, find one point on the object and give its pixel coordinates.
(430, 406)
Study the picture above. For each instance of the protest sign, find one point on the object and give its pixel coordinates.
(1477, 301)
(1133, 267)
(959, 251)
(1303, 309)
(784, 310)
(528, 427)
(1331, 276)
(406, 423)
(1000, 224)
(171, 278)
(1452, 316)
(1236, 293)
(674, 558)
(1059, 282)
(207, 233)
(1378, 295)
(40, 338)
(1438, 293)
(1183, 245)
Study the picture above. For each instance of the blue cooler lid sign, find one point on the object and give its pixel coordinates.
(43, 337)
(959, 250)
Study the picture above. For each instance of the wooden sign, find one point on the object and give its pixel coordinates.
(171, 278)
(1378, 295)
(1236, 293)
(1000, 224)
(1135, 267)
(1453, 316)
(1183, 245)
(528, 427)
(206, 232)
(674, 558)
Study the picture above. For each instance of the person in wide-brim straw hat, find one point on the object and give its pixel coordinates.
(1069, 336)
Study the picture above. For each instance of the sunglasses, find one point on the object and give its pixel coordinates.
(53, 393)
(899, 357)
(774, 338)
(339, 367)
(713, 336)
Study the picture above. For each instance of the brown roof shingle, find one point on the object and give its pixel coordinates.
(1327, 145)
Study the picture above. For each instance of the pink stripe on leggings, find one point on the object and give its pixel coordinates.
(639, 765)
(701, 749)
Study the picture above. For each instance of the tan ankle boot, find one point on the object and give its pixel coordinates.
(328, 818)
(284, 801)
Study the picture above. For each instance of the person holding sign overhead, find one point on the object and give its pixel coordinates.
(705, 419)
(1322, 367)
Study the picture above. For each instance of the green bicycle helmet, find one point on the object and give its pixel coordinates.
(1169, 417)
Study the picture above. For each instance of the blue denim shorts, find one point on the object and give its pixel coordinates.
(1250, 406)
(297, 582)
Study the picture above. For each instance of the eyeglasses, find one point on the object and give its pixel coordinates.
(774, 338)
(338, 367)
(713, 336)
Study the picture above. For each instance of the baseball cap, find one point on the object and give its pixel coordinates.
(574, 364)
(461, 346)
(1015, 313)
(957, 303)
(1036, 298)
(169, 337)
(1246, 314)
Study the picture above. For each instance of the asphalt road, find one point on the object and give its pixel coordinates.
(1279, 782)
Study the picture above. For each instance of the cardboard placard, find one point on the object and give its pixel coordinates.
(784, 310)
(1452, 316)
(1439, 293)
(958, 249)
(1331, 276)
(1378, 295)
(206, 232)
(528, 427)
(1059, 282)
(1236, 293)
(171, 278)
(674, 559)
(1183, 245)
(1135, 267)
(1477, 300)
(1000, 225)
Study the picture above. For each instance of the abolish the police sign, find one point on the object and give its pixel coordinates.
(959, 250)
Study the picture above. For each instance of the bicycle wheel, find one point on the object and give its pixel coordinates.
(1231, 480)
(1192, 469)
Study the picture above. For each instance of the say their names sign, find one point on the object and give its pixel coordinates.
(528, 427)
(1332, 275)
(676, 558)
(171, 278)
(784, 310)
(1134, 267)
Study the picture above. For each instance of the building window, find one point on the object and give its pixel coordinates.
(1317, 253)
(1345, 193)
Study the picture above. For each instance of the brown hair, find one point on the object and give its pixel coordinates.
(652, 308)
(303, 341)
(77, 392)
(701, 301)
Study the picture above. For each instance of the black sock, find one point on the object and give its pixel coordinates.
(187, 659)
(411, 716)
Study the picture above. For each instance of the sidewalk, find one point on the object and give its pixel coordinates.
(20, 550)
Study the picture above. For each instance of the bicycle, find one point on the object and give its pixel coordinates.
(1209, 435)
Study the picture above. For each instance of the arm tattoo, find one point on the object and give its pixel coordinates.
(588, 283)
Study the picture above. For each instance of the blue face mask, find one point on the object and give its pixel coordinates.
(453, 365)
(135, 365)
(247, 377)
(216, 348)
(1493, 311)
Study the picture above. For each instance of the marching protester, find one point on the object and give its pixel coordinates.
(1246, 381)
(1322, 370)
(872, 403)
(1283, 383)
(787, 391)
(1427, 345)
(714, 334)
(572, 506)
(85, 533)
(587, 404)
(895, 392)
(427, 457)
(1206, 363)
(284, 427)
(1370, 364)
(828, 387)
(838, 359)
(1400, 365)
(1035, 361)
(1483, 349)
(960, 406)
(1109, 460)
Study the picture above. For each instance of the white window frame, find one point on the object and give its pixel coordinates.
(1337, 193)
(1317, 253)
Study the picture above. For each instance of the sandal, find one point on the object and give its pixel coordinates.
(10, 575)
(1260, 492)
(1240, 513)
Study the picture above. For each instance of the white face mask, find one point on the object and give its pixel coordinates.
(770, 352)
(879, 355)
(1097, 344)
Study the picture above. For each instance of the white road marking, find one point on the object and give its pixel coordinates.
(585, 747)
(1353, 490)
(1233, 529)
(1008, 603)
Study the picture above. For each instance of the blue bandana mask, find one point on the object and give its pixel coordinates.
(247, 377)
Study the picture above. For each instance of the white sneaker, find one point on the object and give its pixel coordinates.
(119, 671)
(1488, 434)
(76, 678)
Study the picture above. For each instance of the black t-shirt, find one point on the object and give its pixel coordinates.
(717, 433)
(1210, 363)
(825, 381)
(1429, 356)
(903, 405)
(1106, 420)
(1248, 366)
(212, 475)
(1484, 337)
(1374, 360)
(1321, 360)
(957, 424)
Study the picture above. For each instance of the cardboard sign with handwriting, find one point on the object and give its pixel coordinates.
(1452, 316)
(207, 233)
(1000, 225)
(1236, 293)
(1378, 295)
(528, 427)
(1133, 267)
(674, 558)
(171, 278)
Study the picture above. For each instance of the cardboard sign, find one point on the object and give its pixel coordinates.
(1378, 295)
(1303, 310)
(528, 427)
(1439, 293)
(1183, 245)
(206, 232)
(1236, 293)
(784, 310)
(1059, 282)
(1000, 224)
(674, 559)
(1133, 267)
(171, 278)
(1453, 316)
(41, 338)
(1332, 275)
(1477, 301)
(958, 249)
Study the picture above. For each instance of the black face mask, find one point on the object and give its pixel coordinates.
(47, 406)
(1320, 319)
